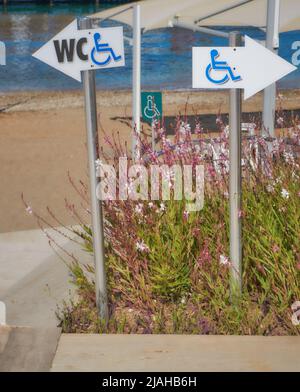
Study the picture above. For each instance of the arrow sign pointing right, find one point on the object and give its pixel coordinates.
(251, 67)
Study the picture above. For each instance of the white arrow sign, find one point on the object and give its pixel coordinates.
(72, 51)
(251, 67)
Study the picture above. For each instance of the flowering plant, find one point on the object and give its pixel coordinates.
(168, 269)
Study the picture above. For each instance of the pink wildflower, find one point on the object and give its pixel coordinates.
(29, 210)
(275, 248)
(224, 260)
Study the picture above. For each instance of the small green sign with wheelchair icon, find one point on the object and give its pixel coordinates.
(151, 106)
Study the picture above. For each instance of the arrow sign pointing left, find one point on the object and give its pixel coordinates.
(251, 67)
(72, 51)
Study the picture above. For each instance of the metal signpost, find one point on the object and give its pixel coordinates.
(78, 51)
(2, 304)
(252, 68)
(89, 88)
(235, 181)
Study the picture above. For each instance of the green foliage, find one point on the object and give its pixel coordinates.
(179, 285)
(172, 254)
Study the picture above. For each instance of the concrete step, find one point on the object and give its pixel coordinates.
(33, 279)
(175, 353)
(24, 349)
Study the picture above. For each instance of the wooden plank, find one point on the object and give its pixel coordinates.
(4, 335)
(174, 353)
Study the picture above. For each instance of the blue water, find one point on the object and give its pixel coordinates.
(166, 53)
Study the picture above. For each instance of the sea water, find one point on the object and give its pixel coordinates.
(166, 53)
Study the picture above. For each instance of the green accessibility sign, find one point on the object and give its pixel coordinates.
(151, 106)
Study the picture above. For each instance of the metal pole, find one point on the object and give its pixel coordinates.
(222, 10)
(235, 182)
(272, 43)
(153, 127)
(89, 87)
(136, 81)
(194, 27)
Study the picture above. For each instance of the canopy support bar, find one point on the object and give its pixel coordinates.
(112, 15)
(193, 27)
(222, 10)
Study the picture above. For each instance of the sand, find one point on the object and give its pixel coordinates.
(42, 137)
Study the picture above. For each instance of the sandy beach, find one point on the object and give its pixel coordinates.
(42, 137)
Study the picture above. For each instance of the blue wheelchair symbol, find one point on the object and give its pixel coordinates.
(103, 48)
(220, 66)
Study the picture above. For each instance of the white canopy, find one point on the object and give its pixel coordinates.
(160, 13)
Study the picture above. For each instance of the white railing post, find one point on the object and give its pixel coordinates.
(136, 81)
